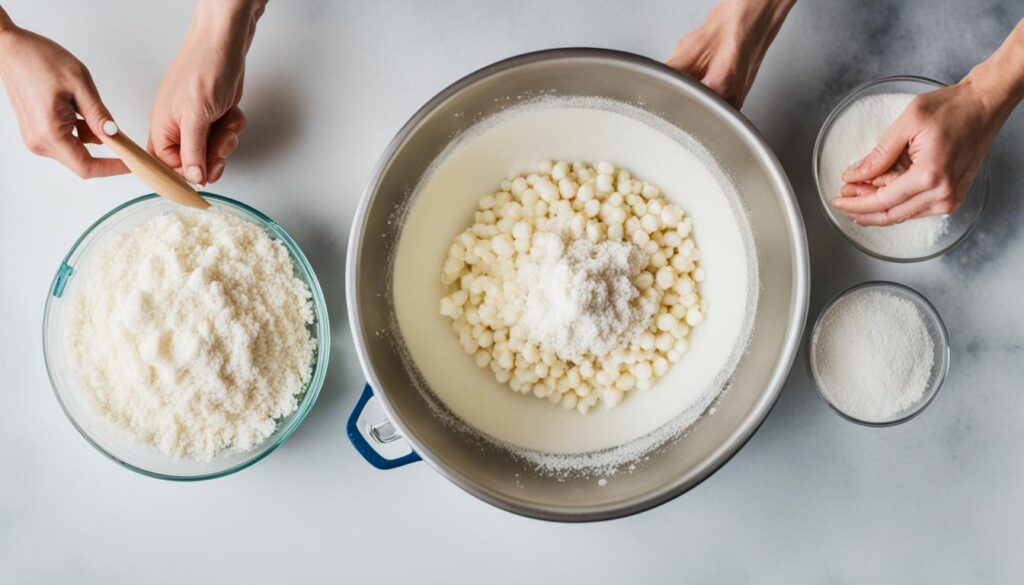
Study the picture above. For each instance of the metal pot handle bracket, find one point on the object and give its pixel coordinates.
(364, 435)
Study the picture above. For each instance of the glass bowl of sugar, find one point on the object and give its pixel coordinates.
(849, 133)
(879, 353)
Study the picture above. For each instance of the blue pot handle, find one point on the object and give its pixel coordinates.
(364, 447)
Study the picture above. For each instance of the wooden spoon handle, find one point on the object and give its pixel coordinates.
(161, 178)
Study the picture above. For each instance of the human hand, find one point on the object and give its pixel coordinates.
(726, 51)
(926, 161)
(195, 122)
(49, 88)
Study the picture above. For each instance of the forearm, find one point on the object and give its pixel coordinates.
(7, 28)
(228, 19)
(765, 16)
(246, 9)
(999, 80)
(773, 10)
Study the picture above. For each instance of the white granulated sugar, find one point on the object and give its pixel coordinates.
(852, 136)
(189, 332)
(873, 355)
(580, 297)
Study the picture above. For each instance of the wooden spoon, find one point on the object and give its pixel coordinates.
(160, 177)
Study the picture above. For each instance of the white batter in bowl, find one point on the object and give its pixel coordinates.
(678, 106)
(575, 129)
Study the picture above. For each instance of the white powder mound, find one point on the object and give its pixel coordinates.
(852, 136)
(873, 355)
(580, 297)
(484, 296)
(189, 332)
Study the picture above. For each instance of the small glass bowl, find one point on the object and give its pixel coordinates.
(959, 224)
(110, 440)
(936, 330)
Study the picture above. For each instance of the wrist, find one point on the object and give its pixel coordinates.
(228, 13)
(758, 21)
(229, 23)
(995, 85)
(768, 12)
(999, 80)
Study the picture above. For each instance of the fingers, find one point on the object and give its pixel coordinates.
(869, 187)
(89, 105)
(917, 193)
(684, 58)
(198, 150)
(928, 212)
(679, 63)
(944, 207)
(883, 157)
(889, 176)
(55, 139)
(70, 152)
(85, 134)
(164, 143)
(692, 57)
(906, 186)
(224, 137)
(909, 209)
(194, 133)
(857, 189)
(726, 86)
(724, 83)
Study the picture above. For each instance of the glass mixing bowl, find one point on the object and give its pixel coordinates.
(936, 330)
(958, 225)
(113, 442)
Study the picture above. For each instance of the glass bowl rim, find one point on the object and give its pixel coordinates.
(945, 351)
(317, 378)
(844, 102)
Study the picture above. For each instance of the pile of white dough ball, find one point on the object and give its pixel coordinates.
(486, 298)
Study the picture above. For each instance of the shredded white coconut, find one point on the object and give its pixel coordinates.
(581, 298)
(189, 332)
(873, 355)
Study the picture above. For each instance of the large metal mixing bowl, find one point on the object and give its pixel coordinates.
(779, 237)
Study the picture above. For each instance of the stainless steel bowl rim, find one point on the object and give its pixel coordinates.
(801, 289)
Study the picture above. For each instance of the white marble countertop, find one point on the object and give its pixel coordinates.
(811, 498)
